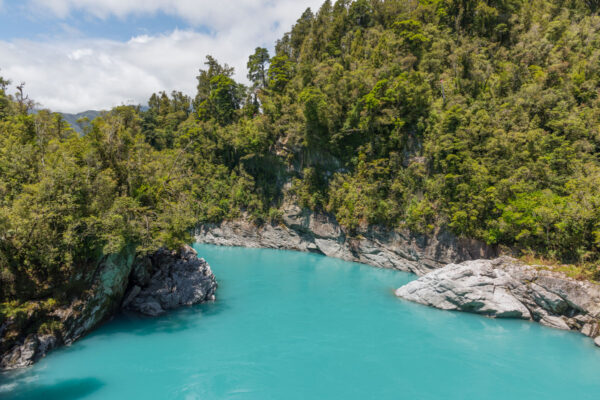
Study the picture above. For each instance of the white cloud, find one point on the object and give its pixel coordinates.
(217, 14)
(79, 74)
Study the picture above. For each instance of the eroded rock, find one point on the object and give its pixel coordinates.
(33, 348)
(506, 288)
(179, 279)
(160, 282)
(304, 230)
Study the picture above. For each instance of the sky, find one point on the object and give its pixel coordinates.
(77, 55)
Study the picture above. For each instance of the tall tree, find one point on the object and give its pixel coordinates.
(3, 98)
(300, 31)
(280, 72)
(257, 67)
(206, 75)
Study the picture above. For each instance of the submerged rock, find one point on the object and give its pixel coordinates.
(506, 288)
(179, 279)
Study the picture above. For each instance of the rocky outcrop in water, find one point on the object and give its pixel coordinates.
(33, 348)
(506, 288)
(304, 230)
(159, 282)
(172, 280)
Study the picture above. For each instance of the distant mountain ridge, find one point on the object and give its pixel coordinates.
(72, 118)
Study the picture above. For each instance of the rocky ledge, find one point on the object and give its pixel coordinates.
(150, 285)
(303, 230)
(507, 288)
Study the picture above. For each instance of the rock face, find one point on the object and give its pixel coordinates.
(304, 230)
(506, 288)
(22, 342)
(159, 282)
(178, 279)
(33, 348)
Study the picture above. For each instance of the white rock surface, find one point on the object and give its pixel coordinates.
(506, 288)
(304, 230)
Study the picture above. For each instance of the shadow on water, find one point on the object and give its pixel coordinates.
(172, 322)
(70, 389)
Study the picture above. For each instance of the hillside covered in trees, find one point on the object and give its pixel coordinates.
(477, 116)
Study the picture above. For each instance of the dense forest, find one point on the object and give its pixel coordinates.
(477, 116)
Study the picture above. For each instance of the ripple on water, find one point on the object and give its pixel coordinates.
(301, 326)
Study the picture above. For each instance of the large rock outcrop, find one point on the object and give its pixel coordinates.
(177, 280)
(506, 288)
(304, 230)
(23, 340)
(169, 279)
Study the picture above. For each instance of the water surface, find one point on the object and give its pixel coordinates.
(299, 326)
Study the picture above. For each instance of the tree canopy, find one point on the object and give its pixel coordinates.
(476, 116)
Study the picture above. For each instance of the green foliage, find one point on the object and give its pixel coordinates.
(360, 199)
(310, 190)
(280, 72)
(485, 115)
(218, 96)
(479, 117)
(223, 100)
(257, 70)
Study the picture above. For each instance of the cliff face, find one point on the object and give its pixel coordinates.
(164, 280)
(23, 340)
(304, 230)
(506, 288)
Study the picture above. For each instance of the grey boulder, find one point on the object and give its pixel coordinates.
(507, 288)
(178, 279)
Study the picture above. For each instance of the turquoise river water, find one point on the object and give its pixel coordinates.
(290, 325)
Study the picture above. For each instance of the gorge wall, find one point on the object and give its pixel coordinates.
(304, 230)
(455, 274)
(149, 285)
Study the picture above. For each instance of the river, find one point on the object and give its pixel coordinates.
(290, 325)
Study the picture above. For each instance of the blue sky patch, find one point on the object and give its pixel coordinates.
(17, 21)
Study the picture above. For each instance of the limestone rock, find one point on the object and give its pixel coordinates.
(33, 348)
(591, 329)
(506, 288)
(597, 341)
(304, 230)
(473, 286)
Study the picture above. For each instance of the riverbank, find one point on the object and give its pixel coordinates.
(150, 285)
(484, 284)
(286, 318)
(303, 230)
